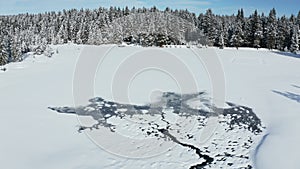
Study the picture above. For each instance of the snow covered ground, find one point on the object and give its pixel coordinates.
(33, 136)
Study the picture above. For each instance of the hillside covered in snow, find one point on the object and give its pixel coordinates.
(22, 33)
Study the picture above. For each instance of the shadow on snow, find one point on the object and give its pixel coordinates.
(290, 95)
(287, 54)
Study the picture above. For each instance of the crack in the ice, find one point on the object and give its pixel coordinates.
(166, 133)
(208, 159)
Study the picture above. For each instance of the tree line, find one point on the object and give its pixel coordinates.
(23, 33)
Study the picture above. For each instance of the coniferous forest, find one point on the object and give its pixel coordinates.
(24, 33)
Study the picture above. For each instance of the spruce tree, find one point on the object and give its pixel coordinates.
(221, 41)
(2, 59)
(271, 29)
(256, 30)
(283, 33)
(295, 40)
(209, 27)
(237, 39)
(298, 19)
(7, 49)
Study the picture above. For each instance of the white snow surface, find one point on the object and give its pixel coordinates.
(33, 136)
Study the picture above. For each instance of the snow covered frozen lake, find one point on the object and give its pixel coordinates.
(33, 136)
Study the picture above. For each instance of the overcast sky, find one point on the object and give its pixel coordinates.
(283, 7)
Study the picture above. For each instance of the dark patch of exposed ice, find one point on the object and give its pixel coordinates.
(237, 117)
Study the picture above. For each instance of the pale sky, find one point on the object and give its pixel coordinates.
(229, 7)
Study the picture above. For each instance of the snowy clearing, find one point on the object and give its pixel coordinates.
(34, 136)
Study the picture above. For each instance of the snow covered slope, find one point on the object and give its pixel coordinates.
(33, 136)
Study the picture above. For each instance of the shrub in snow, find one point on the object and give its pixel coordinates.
(38, 50)
(48, 51)
(152, 39)
(42, 49)
(123, 44)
